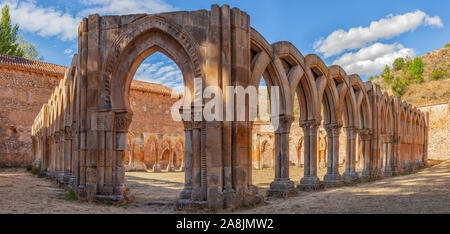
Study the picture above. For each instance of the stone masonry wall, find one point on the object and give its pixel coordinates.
(439, 131)
(22, 95)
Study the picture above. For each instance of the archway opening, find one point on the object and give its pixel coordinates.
(155, 141)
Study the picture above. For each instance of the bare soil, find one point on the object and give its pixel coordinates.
(426, 191)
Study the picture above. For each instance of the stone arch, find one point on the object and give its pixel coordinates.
(150, 151)
(146, 36)
(326, 88)
(347, 100)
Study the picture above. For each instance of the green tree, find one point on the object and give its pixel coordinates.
(387, 77)
(399, 86)
(11, 43)
(416, 69)
(29, 49)
(398, 63)
(8, 35)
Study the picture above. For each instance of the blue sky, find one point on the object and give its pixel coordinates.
(361, 36)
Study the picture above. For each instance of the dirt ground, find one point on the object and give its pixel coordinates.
(426, 191)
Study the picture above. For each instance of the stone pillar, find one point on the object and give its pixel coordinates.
(388, 167)
(365, 136)
(196, 159)
(310, 181)
(333, 178)
(350, 175)
(67, 154)
(170, 166)
(282, 186)
(122, 121)
(187, 190)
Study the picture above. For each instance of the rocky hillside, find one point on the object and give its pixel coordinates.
(436, 74)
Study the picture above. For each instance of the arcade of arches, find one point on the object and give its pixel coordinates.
(82, 132)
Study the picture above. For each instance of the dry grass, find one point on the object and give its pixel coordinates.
(427, 191)
(431, 91)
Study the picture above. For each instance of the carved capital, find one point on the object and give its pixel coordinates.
(68, 132)
(309, 127)
(333, 129)
(187, 125)
(122, 121)
(365, 134)
(282, 123)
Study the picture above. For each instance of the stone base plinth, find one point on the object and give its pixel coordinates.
(310, 183)
(332, 180)
(136, 167)
(351, 177)
(157, 167)
(282, 188)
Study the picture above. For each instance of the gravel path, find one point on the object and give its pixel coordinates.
(427, 191)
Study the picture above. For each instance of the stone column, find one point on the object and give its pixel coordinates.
(282, 185)
(310, 181)
(170, 166)
(122, 121)
(196, 159)
(67, 154)
(350, 175)
(388, 167)
(365, 136)
(187, 190)
(333, 178)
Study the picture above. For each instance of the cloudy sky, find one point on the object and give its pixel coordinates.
(361, 36)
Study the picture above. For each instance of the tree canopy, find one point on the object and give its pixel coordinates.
(13, 44)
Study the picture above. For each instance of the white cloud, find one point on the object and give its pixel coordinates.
(48, 21)
(393, 25)
(372, 59)
(164, 72)
(43, 21)
(68, 51)
(121, 7)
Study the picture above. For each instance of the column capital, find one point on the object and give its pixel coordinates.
(282, 123)
(68, 132)
(187, 125)
(365, 134)
(333, 129)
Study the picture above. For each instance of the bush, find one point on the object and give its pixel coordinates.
(447, 45)
(399, 86)
(371, 78)
(416, 69)
(70, 195)
(438, 74)
(398, 64)
(387, 77)
(29, 167)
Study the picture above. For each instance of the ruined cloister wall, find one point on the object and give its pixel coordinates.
(220, 48)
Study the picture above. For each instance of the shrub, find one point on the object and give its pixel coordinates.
(371, 78)
(29, 167)
(438, 74)
(447, 45)
(398, 64)
(416, 69)
(70, 195)
(387, 77)
(399, 86)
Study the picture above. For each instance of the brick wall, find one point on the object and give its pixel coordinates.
(22, 95)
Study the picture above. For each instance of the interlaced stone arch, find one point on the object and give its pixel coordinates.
(80, 135)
